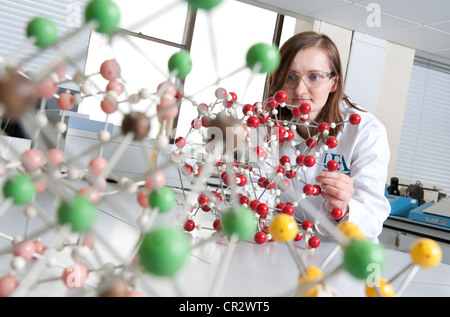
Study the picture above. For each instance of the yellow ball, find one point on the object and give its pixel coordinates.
(426, 253)
(283, 228)
(312, 273)
(385, 289)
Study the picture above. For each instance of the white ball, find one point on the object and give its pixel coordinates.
(41, 120)
(30, 211)
(61, 127)
(104, 136)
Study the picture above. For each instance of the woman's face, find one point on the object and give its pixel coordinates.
(308, 60)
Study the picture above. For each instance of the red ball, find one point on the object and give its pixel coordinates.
(298, 237)
(290, 135)
(267, 184)
(310, 142)
(331, 142)
(305, 108)
(307, 224)
(300, 159)
(308, 189)
(317, 190)
(291, 174)
(288, 209)
(187, 170)
(217, 224)
(246, 108)
(279, 207)
(336, 213)
(243, 200)
(272, 104)
(314, 242)
(323, 126)
(180, 142)
(310, 161)
(189, 225)
(296, 112)
(355, 119)
(263, 118)
(254, 204)
(279, 132)
(279, 169)
(332, 165)
(262, 210)
(242, 179)
(203, 199)
(284, 159)
(260, 237)
(253, 122)
(281, 96)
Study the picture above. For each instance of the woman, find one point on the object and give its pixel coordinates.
(310, 72)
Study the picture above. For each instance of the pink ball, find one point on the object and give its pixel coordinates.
(33, 159)
(169, 88)
(91, 193)
(167, 109)
(220, 93)
(75, 275)
(25, 249)
(40, 185)
(8, 285)
(155, 180)
(46, 88)
(109, 105)
(55, 157)
(97, 165)
(142, 198)
(65, 101)
(39, 247)
(110, 69)
(116, 86)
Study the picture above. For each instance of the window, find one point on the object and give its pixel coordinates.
(67, 15)
(424, 151)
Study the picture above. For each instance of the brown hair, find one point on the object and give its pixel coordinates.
(331, 111)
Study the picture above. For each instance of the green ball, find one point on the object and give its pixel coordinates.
(163, 251)
(267, 55)
(204, 4)
(44, 30)
(181, 62)
(162, 198)
(20, 188)
(106, 13)
(241, 221)
(362, 257)
(79, 212)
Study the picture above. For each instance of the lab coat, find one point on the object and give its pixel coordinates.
(363, 154)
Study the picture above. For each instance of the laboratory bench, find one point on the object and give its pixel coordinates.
(400, 232)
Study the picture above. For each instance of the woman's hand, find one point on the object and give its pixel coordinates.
(337, 189)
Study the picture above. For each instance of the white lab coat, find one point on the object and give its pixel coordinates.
(363, 153)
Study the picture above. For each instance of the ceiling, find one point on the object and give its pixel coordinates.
(420, 24)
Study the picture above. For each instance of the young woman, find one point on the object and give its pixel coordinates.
(310, 72)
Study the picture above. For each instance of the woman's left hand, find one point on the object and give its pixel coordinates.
(337, 189)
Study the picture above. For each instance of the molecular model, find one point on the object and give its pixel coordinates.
(244, 203)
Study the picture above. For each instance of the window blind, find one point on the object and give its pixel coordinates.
(68, 15)
(424, 151)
